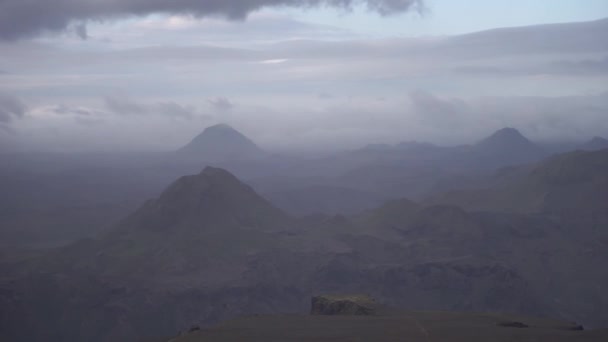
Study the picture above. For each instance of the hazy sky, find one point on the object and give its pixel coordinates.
(150, 74)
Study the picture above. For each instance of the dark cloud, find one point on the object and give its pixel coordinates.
(81, 31)
(10, 108)
(19, 18)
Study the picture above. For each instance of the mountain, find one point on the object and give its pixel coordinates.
(505, 147)
(209, 249)
(190, 246)
(597, 143)
(221, 143)
(198, 218)
(570, 182)
(506, 139)
(213, 197)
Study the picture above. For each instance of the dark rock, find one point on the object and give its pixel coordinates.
(574, 327)
(512, 324)
(353, 305)
(194, 328)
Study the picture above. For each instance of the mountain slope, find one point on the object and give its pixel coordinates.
(209, 249)
(507, 140)
(574, 181)
(506, 146)
(208, 222)
(596, 143)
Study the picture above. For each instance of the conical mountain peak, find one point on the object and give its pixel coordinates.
(212, 198)
(507, 135)
(222, 127)
(220, 143)
(505, 140)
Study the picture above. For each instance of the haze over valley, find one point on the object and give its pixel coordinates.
(199, 170)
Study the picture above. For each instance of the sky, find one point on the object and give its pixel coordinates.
(449, 17)
(110, 75)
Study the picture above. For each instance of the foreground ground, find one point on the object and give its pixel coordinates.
(415, 326)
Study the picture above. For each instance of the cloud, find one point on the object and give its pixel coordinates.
(438, 111)
(173, 84)
(20, 18)
(81, 31)
(175, 110)
(10, 108)
(63, 109)
(221, 104)
(542, 118)
(125, 106)
(583, 66)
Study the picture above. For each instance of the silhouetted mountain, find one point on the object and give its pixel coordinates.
(597, 143)
(221, 143)
(212, 197)
(574, 181)
(198, 218)
(505, 147)
(506, 140)
(209, 248)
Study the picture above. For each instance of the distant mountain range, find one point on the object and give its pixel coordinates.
(210, 248)
(596, 143)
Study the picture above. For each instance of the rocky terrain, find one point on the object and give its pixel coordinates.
(347, 324)
(209, 248)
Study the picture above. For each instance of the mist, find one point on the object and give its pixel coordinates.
(307, 170)
(292, 85)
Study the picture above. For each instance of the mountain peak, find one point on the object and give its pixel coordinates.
(507, 133)
(212, 198)
(506, 138)
(221, 127)
(221, 142)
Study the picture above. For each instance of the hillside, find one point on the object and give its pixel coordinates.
(596, 143)
(572, 182)
(209, 249)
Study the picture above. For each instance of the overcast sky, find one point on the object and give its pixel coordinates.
(299, 74)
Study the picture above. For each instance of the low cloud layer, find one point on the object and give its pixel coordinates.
(340, 123)
(154, 83)
(125, 106)
(20, 18)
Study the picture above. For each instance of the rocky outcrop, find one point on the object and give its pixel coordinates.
(353, 305)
